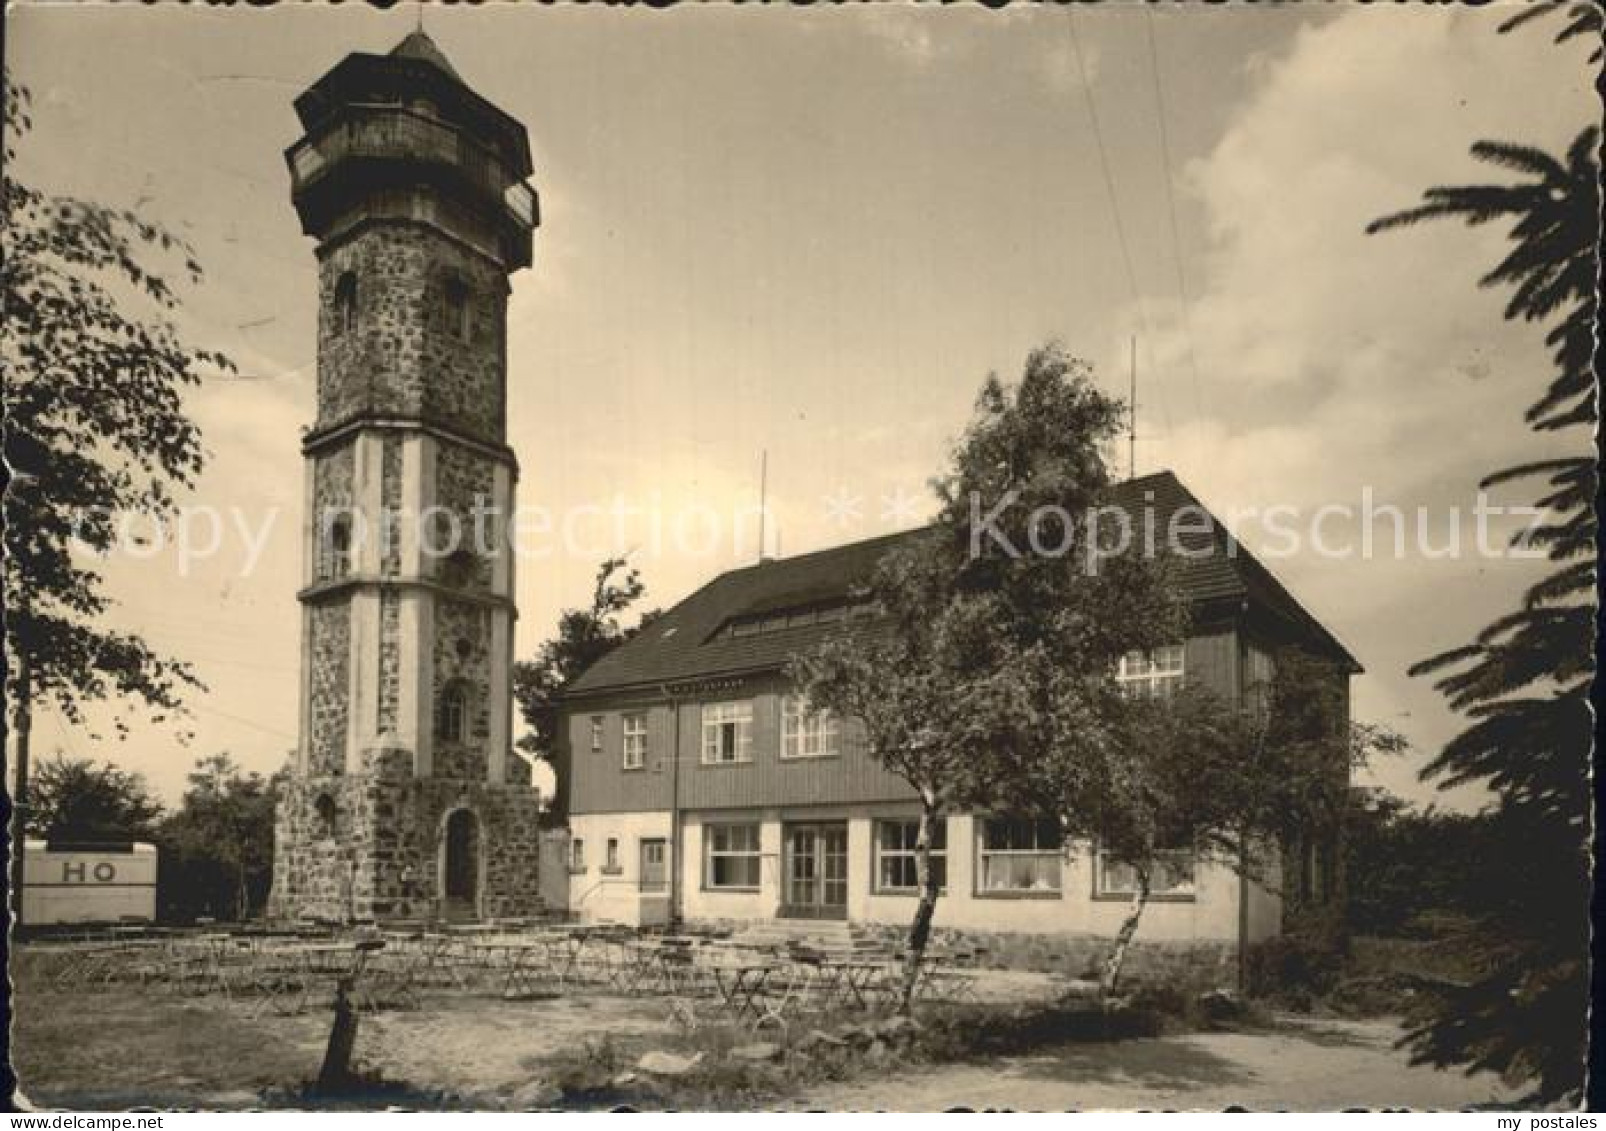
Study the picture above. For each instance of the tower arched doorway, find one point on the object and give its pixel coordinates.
(460, 866)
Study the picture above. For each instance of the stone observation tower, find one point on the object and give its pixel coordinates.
(406, 799)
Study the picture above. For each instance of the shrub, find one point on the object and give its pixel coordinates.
(1296, 967)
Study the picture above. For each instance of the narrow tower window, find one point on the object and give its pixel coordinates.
(340, 546)
(346, 303)
(456, 308)
(451, 715)
(326, 816)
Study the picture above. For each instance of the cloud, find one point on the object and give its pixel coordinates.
(1330, 361)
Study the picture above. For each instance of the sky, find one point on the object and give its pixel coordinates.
(805, 236)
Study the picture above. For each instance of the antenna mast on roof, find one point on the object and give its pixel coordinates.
(763, 497)
(1132, 416)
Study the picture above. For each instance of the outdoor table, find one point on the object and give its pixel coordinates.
(390, 977)
(524, 958)
(441, 954)
(665, 964)
(285, 975)
(854, 980)
(195, 962)
(100, 963)
(945, 981)
(740, 982)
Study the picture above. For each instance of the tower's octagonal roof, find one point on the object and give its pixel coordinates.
(420, 46)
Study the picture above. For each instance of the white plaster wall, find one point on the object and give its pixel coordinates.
(1211, 915)
(596, 896)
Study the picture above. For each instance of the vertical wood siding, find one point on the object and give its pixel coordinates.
(599, 783)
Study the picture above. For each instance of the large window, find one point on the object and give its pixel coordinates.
(727, 732)
(1151, 675)
(732, 856)
(807, 733)
(1020, 856)
(895, 855)
(1172, 875)
(635, 740)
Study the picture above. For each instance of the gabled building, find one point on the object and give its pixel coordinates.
(699, 787)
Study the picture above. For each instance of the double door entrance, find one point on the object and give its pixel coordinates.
(815, 871)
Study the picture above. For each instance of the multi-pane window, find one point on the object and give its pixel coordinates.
(1020, 856)
(596, 734)
(807, 733)
(728, 732)
(1171, 874)
(451, 713)
(635, 740)
(1153, 674)
(895, 869)
(732, 856)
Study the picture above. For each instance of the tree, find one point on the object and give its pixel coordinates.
(993, 643)
(1418, 863)
(1524, 681)
(1244, 784)
(584, 636)
(76, 800)
(218, 845)
(94, 429)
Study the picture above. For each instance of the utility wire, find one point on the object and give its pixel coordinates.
(1171, 208)
(1109, 187)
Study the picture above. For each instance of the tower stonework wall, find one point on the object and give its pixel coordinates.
(328, 653)
(406, 799)
(404, 359)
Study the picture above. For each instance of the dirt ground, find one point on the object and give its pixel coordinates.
(119, 1046)
(1306, 1065)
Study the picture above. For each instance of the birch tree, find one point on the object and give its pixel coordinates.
(994, 634)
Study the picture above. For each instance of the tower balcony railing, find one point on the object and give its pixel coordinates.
(394, 132)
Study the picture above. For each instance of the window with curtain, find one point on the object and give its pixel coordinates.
(1018, 855)
(1172, 875)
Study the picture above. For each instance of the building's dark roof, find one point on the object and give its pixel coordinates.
(685, 642)
(420, 46)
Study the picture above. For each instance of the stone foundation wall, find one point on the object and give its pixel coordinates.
(384, 859)
(1198, 966)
